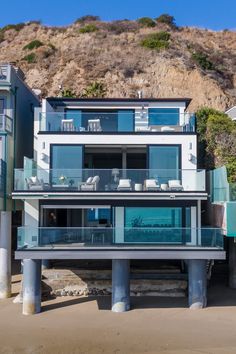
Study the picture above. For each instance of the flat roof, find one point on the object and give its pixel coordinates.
(136, 100)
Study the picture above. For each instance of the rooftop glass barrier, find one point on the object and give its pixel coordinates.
(118, 121)
(51, 237)
(109, 180)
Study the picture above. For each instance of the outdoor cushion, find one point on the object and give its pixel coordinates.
(124, 183)
(151, 183)
(175, 183)
(95, 179)
(89, 180)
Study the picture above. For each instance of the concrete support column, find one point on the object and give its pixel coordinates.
(120, 285)
(32, 286)
(232, 263)
(5, 254)
(197, 284)
(45, 264)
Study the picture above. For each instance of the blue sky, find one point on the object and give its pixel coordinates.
(214, 14)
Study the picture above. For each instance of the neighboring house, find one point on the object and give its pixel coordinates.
(114, 179)
(232, 112)
(17, 104)
(222, 212)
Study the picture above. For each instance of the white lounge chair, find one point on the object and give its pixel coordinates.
(90, 185)
(175, 185)
(67, 125)
(151, 185)
(34, 183)
(94, 125)
(124, 185)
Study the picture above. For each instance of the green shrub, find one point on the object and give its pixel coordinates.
(157, 41)
(167, 19)
(17, 27)
(30, 58)
(34, 22)
(88, 28)
(202, 60)
(87, 18)
(1, 37)
(33, 45)
(68, 93)
(119, 27)
(94, 90)
(146, 22)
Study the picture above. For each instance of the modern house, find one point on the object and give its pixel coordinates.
(114, 179)
(17, 104)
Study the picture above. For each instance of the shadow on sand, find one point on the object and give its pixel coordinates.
(104, 302)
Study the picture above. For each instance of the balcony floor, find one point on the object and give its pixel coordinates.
(78, 251)
(110, 195)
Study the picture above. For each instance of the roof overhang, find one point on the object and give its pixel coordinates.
(139, 101)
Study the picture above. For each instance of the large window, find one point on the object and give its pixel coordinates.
(163, 116)
(164, 163)
(66, 164)
(153, 217)
(157, 224)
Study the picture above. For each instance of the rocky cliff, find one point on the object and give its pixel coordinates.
(111, 53)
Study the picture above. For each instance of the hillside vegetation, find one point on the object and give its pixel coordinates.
(121, 57)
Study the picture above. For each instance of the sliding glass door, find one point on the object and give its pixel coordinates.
(165, 162)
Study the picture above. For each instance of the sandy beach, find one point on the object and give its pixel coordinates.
(154, 325)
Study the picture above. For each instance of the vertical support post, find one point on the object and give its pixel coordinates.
(124, 162)
(120, 285)
(5, 254)
(232, 263)
(45, 264)
(199, 222)
(197, 284)
(32, 286)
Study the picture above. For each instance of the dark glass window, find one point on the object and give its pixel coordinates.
(164, 163)
(163, 116)
(66, 164)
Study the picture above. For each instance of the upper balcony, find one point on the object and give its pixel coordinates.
(153, 120)
(109, 181)
(6, 124)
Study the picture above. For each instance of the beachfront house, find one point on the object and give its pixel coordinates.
(114, 179)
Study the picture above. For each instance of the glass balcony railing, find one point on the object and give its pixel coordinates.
(120, 121)
(6, 123)
(49, 238)
(109, 180)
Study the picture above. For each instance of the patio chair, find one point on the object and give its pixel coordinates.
(94, 125)
(151, 185)
(124, 185)
(34, 184)
(67, 125)
(90, 185)
(175, 185)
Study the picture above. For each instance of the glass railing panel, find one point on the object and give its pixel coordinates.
(92, 122)
(110, 180)
(50, 237)
(6, 123)
(119, 121)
